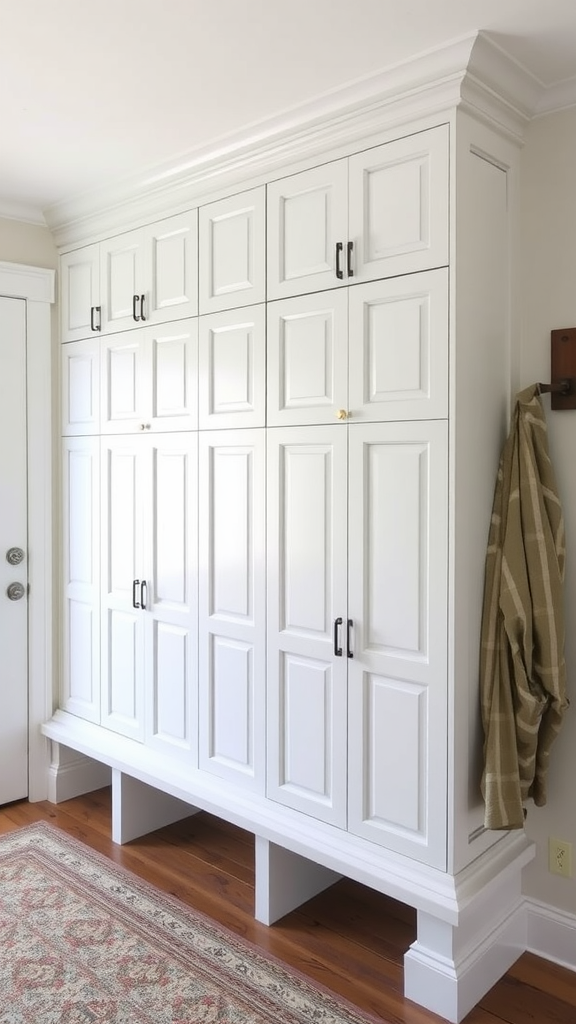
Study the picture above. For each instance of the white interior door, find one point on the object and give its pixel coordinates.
(13, 535)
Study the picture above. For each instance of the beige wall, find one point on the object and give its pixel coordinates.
(548, 301)
(31, 244)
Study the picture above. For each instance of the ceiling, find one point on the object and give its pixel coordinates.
(93, 91)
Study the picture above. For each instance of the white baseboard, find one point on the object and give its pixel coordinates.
(551, 933)
(76, 777)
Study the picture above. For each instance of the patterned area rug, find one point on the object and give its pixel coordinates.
(83, 941)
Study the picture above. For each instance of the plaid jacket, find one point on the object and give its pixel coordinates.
(522, 668)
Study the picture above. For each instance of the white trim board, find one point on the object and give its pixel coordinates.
(36, 286)
(551, 933)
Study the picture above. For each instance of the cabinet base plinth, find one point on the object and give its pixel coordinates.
(284, 881)
(138, 809)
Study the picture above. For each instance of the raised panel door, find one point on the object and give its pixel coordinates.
(232, 368)
(232, 244)
(80, 668)
(397, 685)
(170, 375)
(306, 688)
(124, 491)
(398, 348)
(80, 293)
(307, 348)
(171, 594)
(307, 215)
(80, 384)
(124, 383)
(232, 606)
(123, 280)
(170, 284)
(398, 216)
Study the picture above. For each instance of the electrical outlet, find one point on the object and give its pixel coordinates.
(560, 857)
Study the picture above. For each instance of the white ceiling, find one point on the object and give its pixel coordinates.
(92, 91)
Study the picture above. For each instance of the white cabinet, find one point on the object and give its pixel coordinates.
(80, 387)
(232, 246)
(357, 655)
(371, 353)
(232, 606)
(380, 213)
(80, 651)
(149, 589)
(146, 275)
(232, 368)
(149, 379)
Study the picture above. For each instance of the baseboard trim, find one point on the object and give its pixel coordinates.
(551, 933)
(76, 777)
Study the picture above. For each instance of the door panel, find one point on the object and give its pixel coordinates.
(79, 292)
(170, 284)
(232, 361)
(122, 276)
(123, 383)
(80, 376)
(397, 686)
(232, 633)
(171, 375)
(232, 248)
(307, 216)
(13, 533)
(307, 593)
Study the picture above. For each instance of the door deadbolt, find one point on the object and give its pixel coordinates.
(14, 556)
(16, 591)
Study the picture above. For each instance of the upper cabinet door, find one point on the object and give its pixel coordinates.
(307, 219)
(232, 246)
(398, 220)
(232, 361)
(122, 274)
(171, 284)
(80, 293)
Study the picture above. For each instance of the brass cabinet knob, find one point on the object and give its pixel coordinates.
(341, 414)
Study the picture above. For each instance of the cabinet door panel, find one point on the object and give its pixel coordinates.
(79, 292)
(307, 216)
(171, 282)
(398, 606)
(232, 359)
(122, 275)
(399, 206)
(232, 248)
(307, 359)
(232, 605)
(307, 592)
(171, 615)
(80, 377)
(123, 492)
(80, 693)
(123, 383)
(398, 356)
(171, 374)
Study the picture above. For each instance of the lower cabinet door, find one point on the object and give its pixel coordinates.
(307, 620)
(232, 607)
(80, 687)
(397, 676)
(171, 594)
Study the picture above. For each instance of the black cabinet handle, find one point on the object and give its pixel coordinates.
(350, 250)
(142, 297)
(339, 271)
(134, 304)
(93, 325)
(348, 640)
(143, 593)
(337, 649)
(135, 603)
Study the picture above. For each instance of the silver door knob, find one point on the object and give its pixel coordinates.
(14, 556)
(16, 591)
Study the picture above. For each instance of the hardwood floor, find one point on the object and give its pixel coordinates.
(349, 938)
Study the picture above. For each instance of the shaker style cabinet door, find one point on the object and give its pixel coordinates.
(397, 677)
(307, 364)
(232, 246)
(170, 284)
(80, 666)
(398, 217)
(232, 606)
(232, 368)
(307, 219)
(307, 657)
(122, 280)
(80, 387)
(80, 310)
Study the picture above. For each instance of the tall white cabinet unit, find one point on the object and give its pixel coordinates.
(276, 501)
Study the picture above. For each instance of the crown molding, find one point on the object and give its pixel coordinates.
(557, 97)
(471, 72)
(22, 212)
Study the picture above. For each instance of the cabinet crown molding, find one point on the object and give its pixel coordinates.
(471, 72)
